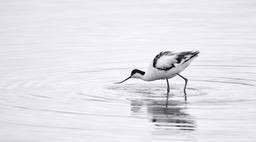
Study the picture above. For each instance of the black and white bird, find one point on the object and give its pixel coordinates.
(166, 65)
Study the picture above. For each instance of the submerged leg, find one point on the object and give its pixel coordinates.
(186, 81)
(168, 90)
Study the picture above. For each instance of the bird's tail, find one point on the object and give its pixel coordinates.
(193, 55)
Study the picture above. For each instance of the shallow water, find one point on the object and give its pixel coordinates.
(59, 62)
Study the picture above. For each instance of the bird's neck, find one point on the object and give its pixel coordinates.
(144, 76)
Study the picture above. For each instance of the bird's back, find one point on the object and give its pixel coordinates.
(168, 64)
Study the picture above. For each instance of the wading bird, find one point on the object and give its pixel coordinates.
(166, 65)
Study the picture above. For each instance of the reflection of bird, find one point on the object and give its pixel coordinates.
(174, 116)
(164, 66)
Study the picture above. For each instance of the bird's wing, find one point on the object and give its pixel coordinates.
(164, 60)
(167, 60)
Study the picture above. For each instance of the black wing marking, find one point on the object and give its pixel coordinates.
(168, 59)
(166, 68)
(158, 56)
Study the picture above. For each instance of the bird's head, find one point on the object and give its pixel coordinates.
(134, 74)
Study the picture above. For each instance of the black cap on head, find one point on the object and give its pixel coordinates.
(137, 71)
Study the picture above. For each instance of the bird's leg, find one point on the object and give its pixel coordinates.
(168, 86)
(186, 81)
(168, 90)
